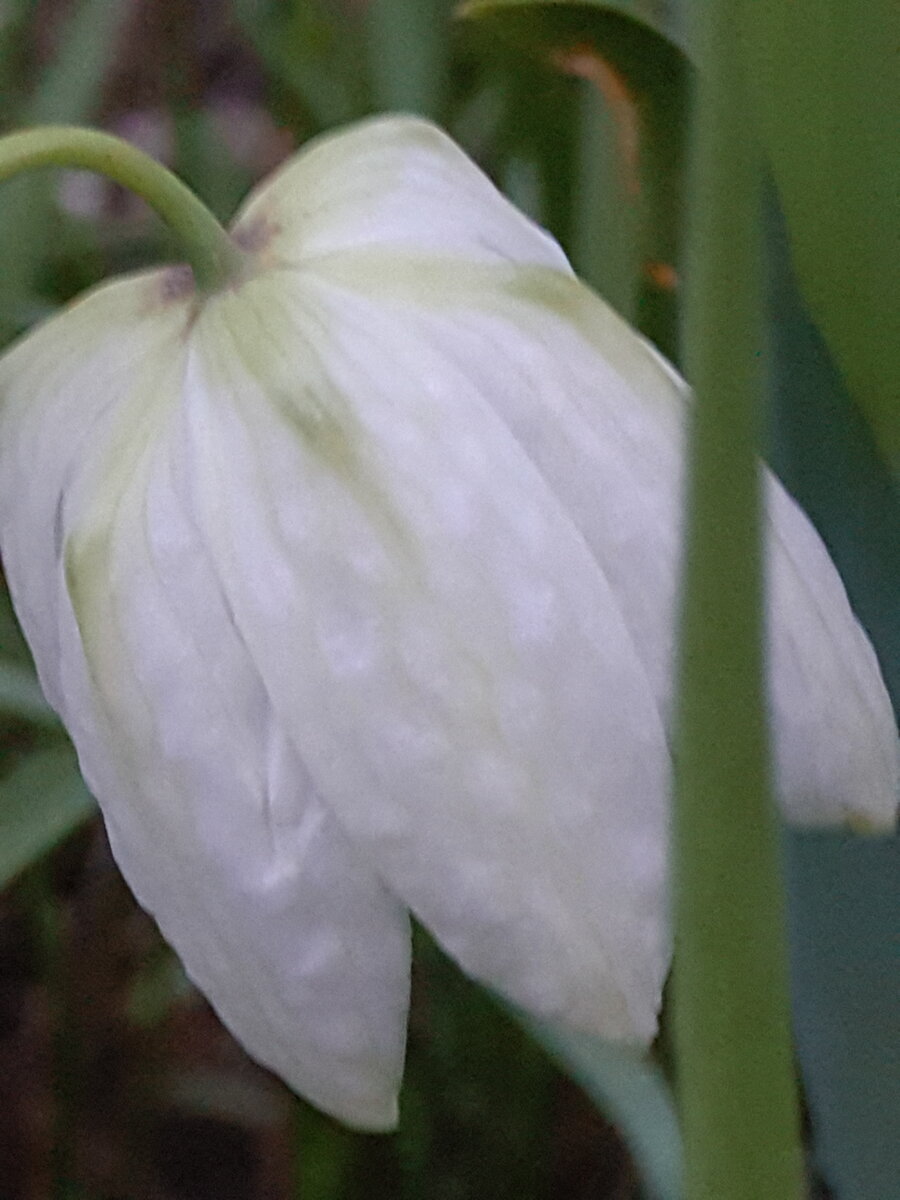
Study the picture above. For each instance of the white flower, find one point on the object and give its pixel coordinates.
(354, 585)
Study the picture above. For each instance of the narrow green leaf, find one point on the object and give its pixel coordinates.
(312, 50)
(469, 1059)
(42, 801)
(737, 1093)
(408, 54)
(629, 1089)
(71, 84)
(325, 1156)
(606, 227)
(846, 968)
(825, 454)
(825, 89)
(844, 891)
(205, 164)
(14, 15)
(627, 55)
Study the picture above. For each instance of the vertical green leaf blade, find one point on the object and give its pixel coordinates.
(628, 200)
(844, 891)
(731, 1008)
(631, 1091)
(845, 904)
(408, 54)
(825, 83)
(70, 86)
(311, 49)
(825, 454)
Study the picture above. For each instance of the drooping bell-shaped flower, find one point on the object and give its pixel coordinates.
(355, 583)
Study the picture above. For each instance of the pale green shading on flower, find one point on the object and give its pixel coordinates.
(355, 586)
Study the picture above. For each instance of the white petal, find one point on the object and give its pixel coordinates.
(601, 415)
(835, 731)
(394, 182)
(394, 210)
(57, 403)
(447, 654)
(211, 813)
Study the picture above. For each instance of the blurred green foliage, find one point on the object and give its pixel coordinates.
(826, 92)
(628, 181)
(844, 891)
(579, 113)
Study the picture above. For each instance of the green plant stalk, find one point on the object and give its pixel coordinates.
(407, 42)
(324, 1155)
(736, 1083)
(49, 930)
(214, 258)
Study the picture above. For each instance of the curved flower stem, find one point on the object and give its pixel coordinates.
(214, 258)
(736, 1082)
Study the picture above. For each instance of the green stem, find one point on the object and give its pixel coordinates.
(50, 939)
(323, 1155)
(215, 260)
(736, 1082)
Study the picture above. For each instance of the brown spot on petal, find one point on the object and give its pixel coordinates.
(254, 236)
(177, 283)
(175, 286)
(862, 825)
